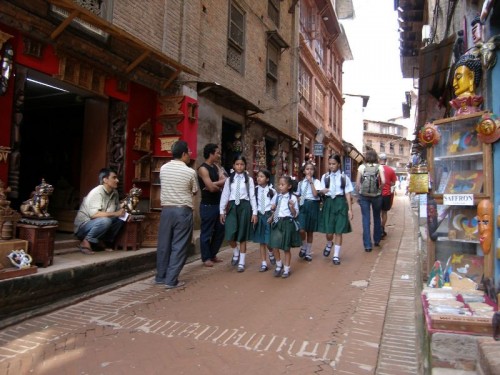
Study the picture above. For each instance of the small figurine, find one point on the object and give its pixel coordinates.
(130, 202)
(20, 259)
(436, 276)
(38, 203)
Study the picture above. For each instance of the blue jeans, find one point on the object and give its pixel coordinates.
(101, 228)
(211, 231)
(376, 204)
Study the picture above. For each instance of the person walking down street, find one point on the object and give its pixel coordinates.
(387, 191)
(100, 217)
(264, 194)
(238, 210)
(307, 190)
(337, 208)
(178, 185)
(284, 228)
(369, 181)
(211, 181)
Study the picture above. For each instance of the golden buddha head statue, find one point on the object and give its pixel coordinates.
(467, 76)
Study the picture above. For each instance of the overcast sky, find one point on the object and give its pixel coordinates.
(375, 69)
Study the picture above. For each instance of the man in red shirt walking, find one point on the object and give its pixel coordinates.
(387, 191)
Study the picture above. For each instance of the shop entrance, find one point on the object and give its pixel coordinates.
(232, 144)
(50, 140)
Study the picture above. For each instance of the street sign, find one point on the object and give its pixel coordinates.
(318, 149)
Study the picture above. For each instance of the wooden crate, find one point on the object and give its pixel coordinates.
(461, 324)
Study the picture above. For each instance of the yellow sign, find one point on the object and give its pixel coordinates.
(167, 142)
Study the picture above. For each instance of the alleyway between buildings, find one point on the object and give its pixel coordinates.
(360, 317)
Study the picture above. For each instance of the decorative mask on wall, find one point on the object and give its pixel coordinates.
(429, 135)
(488, 128)
(484, 218)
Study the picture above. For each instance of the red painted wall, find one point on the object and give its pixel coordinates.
(142, 106)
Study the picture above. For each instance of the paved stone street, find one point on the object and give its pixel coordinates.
(356, 318)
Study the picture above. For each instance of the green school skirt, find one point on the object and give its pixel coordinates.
(309, 215)
(262, 230)
(239, 222)
(284, 235)
(333, 218)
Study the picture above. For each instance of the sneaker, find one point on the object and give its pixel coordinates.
(326, 251)
(272, 259)
(384, 234)
(286, 274)
(308, 257)
(302, 252)
(368, 250)
(336, 261)
(235, 260)
(179, 284)
(263, 268)
(277, 271)
(241, 268)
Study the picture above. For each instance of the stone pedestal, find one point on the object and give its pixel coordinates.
(130, 235)
(40, 237)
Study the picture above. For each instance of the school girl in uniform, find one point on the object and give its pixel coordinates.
(284, 232)
(264, 194)
(238, 210)
(337, 208)
(307, 190)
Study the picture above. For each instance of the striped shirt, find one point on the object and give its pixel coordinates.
(178, 184)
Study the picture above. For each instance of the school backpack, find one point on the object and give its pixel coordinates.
(370, 185)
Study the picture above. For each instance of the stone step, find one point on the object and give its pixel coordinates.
(489, 356)
(450, 371)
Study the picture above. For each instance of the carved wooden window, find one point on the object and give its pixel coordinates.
(236, 38)
(273, 11)
(304, 83)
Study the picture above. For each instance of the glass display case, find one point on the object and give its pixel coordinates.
(460, 171)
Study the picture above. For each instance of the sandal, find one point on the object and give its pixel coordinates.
(327, 250)
(86, 250)
(336, 260)
(272, 259)
(277, 271)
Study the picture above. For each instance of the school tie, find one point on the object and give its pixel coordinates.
(263, 201)
(305, 183)
(277, 211)
(237, 192)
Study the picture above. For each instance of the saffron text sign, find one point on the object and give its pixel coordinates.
(458, 199)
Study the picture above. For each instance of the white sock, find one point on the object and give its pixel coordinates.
(287, 269)
(242, 259)
(309, 246)
(236, 252)
(271, 254)
(337, 251)
(304, 244)
(279, 264)
(264, 263)
(329, 243)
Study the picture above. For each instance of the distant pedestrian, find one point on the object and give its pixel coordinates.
(307, 190)
(264, 194)
(387, 191)
(178, 185)
(211, 179)
(369, 180)
(284, 228)
(238, 210)
(337, 208)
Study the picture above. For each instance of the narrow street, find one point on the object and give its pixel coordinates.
(356, 318)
